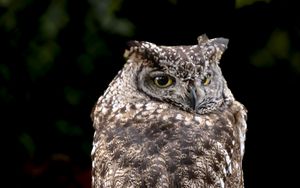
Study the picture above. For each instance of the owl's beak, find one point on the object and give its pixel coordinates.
(193, 98)
(196, 94)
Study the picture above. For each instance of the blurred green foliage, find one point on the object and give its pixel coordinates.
(104, 11)
(49, 49)
(55, 54)
(277, 47)
(242, 3)
(27, 142)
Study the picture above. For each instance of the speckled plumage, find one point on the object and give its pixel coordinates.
(189, 134)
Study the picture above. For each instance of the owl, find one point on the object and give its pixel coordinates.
(168, 119)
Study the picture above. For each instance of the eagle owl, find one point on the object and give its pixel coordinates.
(168, 119)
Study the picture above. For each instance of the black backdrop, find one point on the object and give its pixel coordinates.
(51, 76)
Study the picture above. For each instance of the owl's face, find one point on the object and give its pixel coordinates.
(188, 77)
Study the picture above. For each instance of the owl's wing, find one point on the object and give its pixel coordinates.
(240, 115)
(143, 146)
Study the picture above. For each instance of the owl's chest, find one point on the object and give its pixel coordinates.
(148, 140)
(151, 129)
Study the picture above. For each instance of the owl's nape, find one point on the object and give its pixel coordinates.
(168, 119)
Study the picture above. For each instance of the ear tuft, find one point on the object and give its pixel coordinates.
(202, 39)
(221, 43)
(215, 48)
(133, 47)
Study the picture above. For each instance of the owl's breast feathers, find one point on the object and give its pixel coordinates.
(151, 145)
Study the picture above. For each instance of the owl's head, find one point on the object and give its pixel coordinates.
(188, 77)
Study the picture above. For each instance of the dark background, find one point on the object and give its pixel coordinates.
(57, 57)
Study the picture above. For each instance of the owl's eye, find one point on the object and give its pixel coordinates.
(163, 81)
(206, 79)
